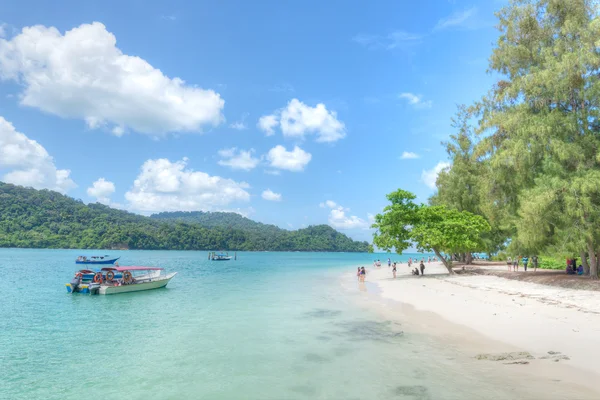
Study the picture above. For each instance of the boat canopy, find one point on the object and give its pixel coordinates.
(123, 269)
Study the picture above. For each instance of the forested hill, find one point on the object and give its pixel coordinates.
(217, 220)
(47, 219)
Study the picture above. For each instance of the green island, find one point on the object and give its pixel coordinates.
(32, 218)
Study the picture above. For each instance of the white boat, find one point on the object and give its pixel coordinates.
(134, 279)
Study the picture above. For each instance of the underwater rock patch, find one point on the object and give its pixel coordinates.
(512, 356)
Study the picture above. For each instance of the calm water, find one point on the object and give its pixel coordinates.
(267, 326)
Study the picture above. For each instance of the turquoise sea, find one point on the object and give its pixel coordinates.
(267, 326)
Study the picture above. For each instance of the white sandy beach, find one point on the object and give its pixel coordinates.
(489, 314)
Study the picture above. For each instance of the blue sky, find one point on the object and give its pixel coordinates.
(293, 113)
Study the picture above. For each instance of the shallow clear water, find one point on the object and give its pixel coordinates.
(267, 326)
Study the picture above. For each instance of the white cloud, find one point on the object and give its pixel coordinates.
(430, 176)
(240, 125)
(415, 100)
(163, 185)
(271, 196)
(3, 27)
(297, 120)
(409, 155)
(101, 190)
(241, 159)
(268, 123)
(393, 40)
(82, 74)
(28, 163)
(460, 19)
(272, 172)
(328, 203)
(339, 220)
(294, 160)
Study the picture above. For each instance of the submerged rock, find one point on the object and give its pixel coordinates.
(512, 356)
(322, 313)
(414, 391)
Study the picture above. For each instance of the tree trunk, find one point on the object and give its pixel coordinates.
(469, 258)
(586, 266)
(593, 261)
(447, 263)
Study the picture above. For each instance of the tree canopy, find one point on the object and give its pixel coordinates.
(47, 219)
(430, 228)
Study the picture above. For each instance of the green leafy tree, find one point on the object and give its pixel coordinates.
(431, 228)
(540, 126)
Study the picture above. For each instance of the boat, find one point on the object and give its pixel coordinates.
(83, 282)
(114, 280)
(134, 279)
(220, 256)
(95, 260)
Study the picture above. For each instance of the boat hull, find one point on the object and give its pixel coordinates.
(222, 259)
(98, 262)
(84, 288)
(137, 287)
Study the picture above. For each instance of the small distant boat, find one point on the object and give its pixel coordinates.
(95, 260)
(220, 257)
(114, 280)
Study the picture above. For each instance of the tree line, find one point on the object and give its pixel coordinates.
(46, 219)
(525, 157)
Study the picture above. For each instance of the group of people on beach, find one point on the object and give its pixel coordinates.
(420, 270)
(524, 260)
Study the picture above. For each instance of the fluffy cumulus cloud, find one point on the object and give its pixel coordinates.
(294, 160)
(163, 185)
(238, 159)
(415, 100)
(409, 155)
(339, 218)
(101, 190)
(297, 120)
(271, 196)
(27, 162)
(429, 176)
(82, 74)
(268, 123)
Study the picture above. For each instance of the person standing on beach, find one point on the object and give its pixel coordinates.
(362, 274)
(525, 262)
(394, 270)
(422, 266)
(534, 260)
(516, 263)
(389, 262)
(409, 262)
(509, 262)
(358, 274)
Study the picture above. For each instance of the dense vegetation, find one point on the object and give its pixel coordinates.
(526, 157)
(47, 219)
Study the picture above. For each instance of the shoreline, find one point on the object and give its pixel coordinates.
(495, 318)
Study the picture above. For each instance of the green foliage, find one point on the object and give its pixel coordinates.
(46, 219)
(447, 230)
(546, 262)
(436, 228)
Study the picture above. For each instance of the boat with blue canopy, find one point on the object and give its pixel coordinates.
(105, 260)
